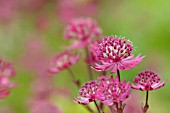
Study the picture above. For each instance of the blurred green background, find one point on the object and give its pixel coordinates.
(145, 23)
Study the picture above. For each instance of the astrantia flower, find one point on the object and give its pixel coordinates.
(83, 31)
(63, 61)
(6, 71)
(87, 93)
(115, 54)
(112, 91)
(147, 80)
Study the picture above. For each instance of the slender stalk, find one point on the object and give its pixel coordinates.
(77, 83)
(147, 95)
(104, 73)
(101, 106)
(90, 74)
(117, 107)
(146, 107)
(98, 109)
(112, 109)
(89, 109)
(118, 74)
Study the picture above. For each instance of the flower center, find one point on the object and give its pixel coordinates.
(147, 78)
(88, 89)
(115, 49)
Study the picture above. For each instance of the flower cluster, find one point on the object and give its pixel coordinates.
(107, 90)
(108, 54)
(6, 72)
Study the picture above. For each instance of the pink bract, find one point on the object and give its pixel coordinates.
(147, 80)
(6, 72)
(112, 91)
(62, 61)
(115, 54)
(82, 30)
(87, 93)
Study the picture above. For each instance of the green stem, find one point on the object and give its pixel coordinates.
(118, 74)
(76, 82)
(90, 74)
(98, 109)
(146, 107)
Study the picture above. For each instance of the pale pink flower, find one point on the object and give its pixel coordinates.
(131, 106)
(115, 54)
(111, 91)
(7, 10)
(6, 109)
(40, 106)
(70, 9)
(62, 61)
(35, 57)
(32, 5)
(147, 80)
(82, 30)
(42, 22)
(42, 87)
(6, 72)
(87, 93)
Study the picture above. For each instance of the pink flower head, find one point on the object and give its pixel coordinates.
(112, 91)
(62, 61)
(115, 54)
(82, 30)
(6, 71)
(87, 93)
(147, 80)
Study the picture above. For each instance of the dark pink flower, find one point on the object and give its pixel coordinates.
(147, 80)
(62, 61)
(115, 54)
(107, 90)
(83, 30)
(6, 72)
(87, 93)
(112, 91)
